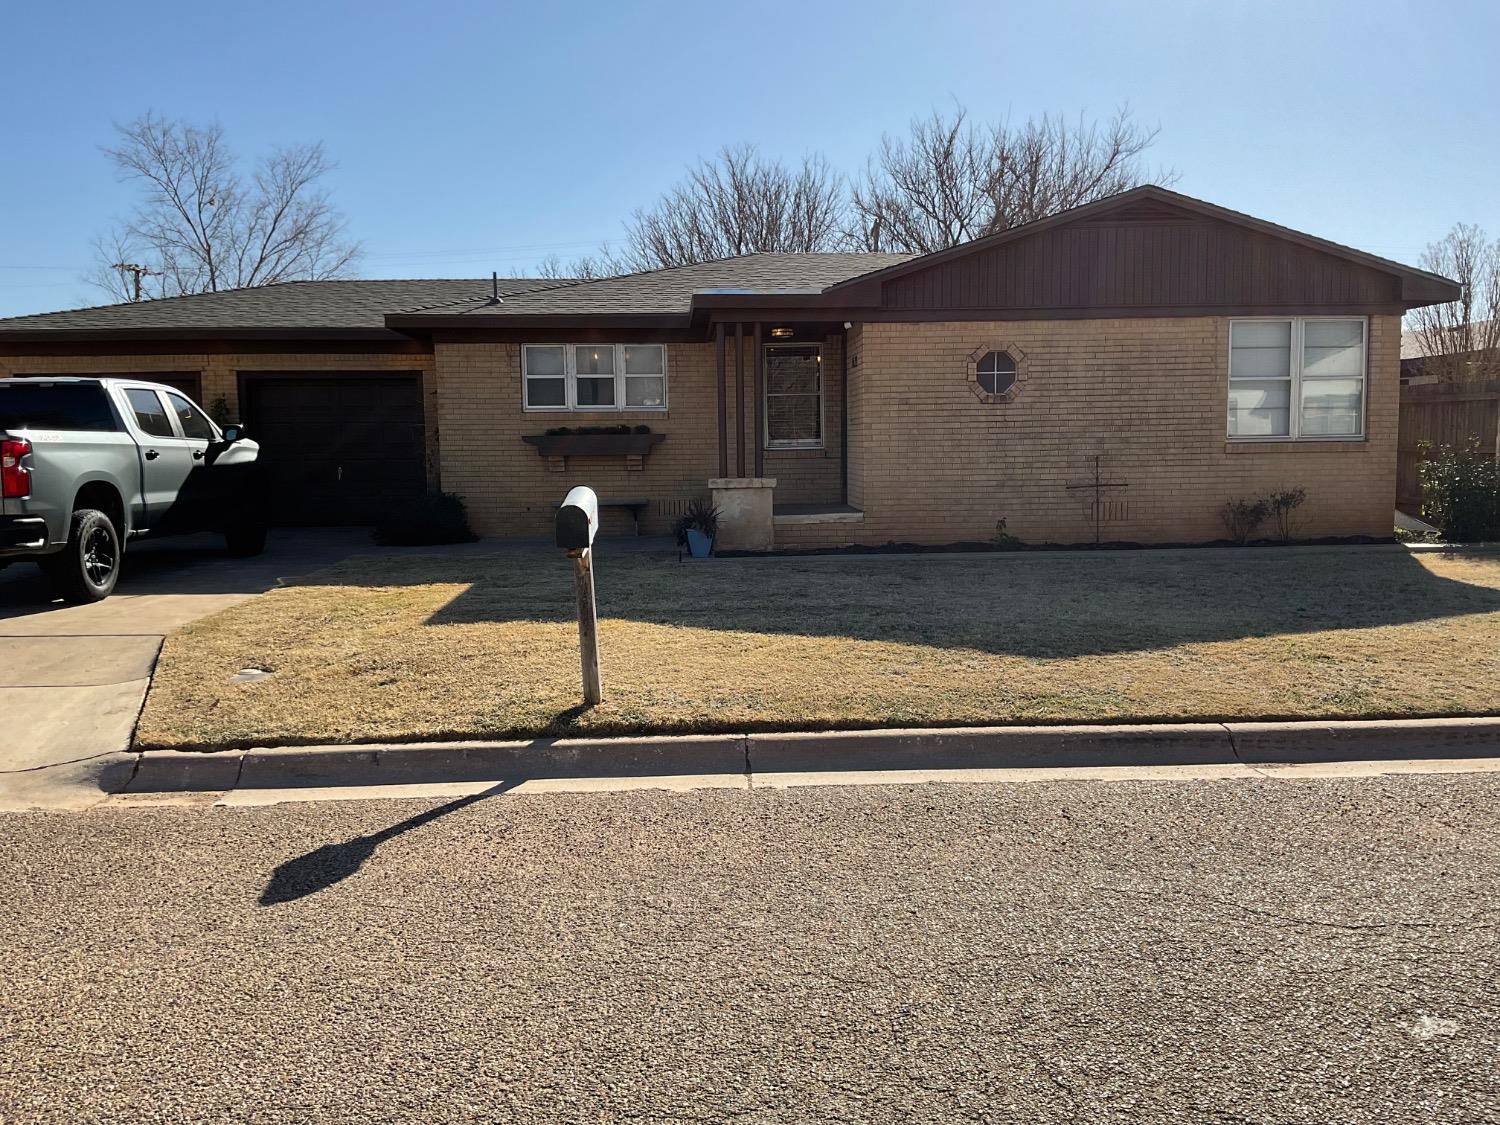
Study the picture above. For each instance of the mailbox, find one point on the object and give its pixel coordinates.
(578, 519)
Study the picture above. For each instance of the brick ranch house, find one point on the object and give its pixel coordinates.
(1119, 370)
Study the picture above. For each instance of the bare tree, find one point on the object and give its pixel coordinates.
(588, 267)
(201, 226)
(739, 203)
(950, 181)
(1460, 340)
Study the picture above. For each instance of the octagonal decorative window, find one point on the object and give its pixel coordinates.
(995, 373)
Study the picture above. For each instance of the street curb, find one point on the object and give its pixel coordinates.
(1159, 744)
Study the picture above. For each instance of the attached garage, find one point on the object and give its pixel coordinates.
(338, 448)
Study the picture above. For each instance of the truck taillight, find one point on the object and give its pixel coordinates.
(15, 478)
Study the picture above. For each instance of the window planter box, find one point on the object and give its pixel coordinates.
(555, 449)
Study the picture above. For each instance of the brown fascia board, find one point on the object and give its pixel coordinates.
(144, 341)
(426, 322)
(1426, 287)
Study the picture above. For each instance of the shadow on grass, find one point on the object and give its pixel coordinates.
(1044, 608)
(322, 867)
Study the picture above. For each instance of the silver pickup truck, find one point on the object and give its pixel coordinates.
(86, 465)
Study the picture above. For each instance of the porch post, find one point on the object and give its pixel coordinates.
(844, 418)
(758, 434)
(739, 398)
(719, 379)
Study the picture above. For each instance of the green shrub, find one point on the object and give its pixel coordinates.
(1461, 492)
(426, 521)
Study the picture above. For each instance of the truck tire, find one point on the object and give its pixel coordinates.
(246, 539)
(88, 567)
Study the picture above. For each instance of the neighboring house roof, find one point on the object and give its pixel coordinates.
(1416, 345)
(671, 291)
(324, 307)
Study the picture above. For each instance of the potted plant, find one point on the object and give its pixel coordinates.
(697, 527)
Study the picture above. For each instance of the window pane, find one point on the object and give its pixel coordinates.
(1332, 407)
(594, 359)
(55, 406)
(1333, 347)
(1260, 349)
(994, 362)
(544, 361)
(645, 390)
(150, 414)
(643, 359)
(194, 424)
(794, 418)
(596, 392)
(1259, 408)
(546, 392)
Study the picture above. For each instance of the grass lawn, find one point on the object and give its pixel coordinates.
(382, 648)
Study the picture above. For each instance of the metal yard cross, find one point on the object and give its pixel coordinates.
(1098, 484)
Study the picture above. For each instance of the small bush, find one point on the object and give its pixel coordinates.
(1241, 517)
(1461, 493)
(1280, 505)
(427, 521)
(1003, 539)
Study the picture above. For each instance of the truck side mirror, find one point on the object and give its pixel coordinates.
(233, 434)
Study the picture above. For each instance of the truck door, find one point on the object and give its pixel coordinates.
(167, 461)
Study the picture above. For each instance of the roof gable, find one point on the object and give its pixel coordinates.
(1148, 248)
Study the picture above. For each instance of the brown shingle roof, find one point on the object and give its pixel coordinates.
(669, 291)
(301, 305)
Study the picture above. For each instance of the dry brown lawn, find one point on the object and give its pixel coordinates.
(383, 648)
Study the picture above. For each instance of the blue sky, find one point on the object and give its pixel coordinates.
(477, 136)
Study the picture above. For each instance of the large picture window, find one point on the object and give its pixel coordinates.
(594, 376)
(1297, 378)
(794, 396)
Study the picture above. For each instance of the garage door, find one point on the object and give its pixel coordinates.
(337, 449)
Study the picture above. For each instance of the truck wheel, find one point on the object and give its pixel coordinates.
(246, 539)
(88, 567)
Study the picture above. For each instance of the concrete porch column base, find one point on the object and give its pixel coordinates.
(744, 504)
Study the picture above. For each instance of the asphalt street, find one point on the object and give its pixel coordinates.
(1214, 951)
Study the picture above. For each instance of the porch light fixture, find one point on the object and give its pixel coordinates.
(782, 333)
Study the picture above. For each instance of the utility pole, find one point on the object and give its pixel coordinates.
(139, 271)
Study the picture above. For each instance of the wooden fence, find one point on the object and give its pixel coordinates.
(1443, 414)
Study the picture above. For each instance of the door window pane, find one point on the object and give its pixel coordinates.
(1260, 407)
(150, 414)
(794, 396)
(194, 424)
(1332, 407)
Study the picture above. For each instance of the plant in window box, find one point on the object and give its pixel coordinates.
(697, 528)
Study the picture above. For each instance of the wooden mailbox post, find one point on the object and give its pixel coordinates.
(577, 523)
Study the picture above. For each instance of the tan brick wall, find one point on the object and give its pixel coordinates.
(930, 463)
(219, 374)
(509, 488)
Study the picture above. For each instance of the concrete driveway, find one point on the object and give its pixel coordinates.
(72, 678)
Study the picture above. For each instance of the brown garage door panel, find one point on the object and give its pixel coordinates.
(337, 449)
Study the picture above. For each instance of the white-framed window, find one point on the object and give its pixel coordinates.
(794, 396)
(589, 377)
(1297, 378)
